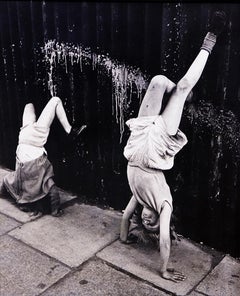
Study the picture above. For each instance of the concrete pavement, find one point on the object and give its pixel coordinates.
(80, 254)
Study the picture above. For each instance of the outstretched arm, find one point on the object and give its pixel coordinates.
(165, 245)
(128, 212)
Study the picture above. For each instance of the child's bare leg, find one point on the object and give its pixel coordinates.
(54, 108)
(152, 101)
(56, 211)
(29, 115)
(173, 111)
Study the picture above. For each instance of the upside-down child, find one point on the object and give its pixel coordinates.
(154, 141)
(33, 178)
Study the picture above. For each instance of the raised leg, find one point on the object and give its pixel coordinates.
(173, 111)
(29, 115)
(54, 108)
(152, 101)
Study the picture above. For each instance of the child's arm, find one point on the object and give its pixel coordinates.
(128, 212)
(165, 244)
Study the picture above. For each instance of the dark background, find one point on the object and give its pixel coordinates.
(99, 57)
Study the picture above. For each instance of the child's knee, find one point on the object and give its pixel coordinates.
(183, 86)
(29, 108)
(29, 105)
(158, 81)
(55, 101)
(29, 115)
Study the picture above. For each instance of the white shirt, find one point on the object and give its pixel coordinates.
(149, 144)
(31, 142)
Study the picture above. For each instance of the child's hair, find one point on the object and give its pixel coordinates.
(149, 237)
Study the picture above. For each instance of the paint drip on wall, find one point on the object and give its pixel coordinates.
(125, 79)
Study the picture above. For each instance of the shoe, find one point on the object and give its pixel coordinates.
(76, 131)
(217, 23)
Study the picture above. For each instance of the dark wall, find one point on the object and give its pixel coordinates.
(98, 58)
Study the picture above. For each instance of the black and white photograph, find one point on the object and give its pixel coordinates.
(119, 148)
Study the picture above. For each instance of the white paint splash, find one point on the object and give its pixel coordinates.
(124, 78)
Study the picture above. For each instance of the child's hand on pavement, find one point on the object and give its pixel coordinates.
(132, 239)
(173, 275)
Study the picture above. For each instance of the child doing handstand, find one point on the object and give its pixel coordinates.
(32, 179)
(154, 141)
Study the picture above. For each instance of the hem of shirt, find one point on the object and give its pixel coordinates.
(144, 168)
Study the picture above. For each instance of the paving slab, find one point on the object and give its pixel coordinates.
(96, 278)
(143, 261)
(10, 209)
(7, 224)
(74, 237)
(224, 279)
(25, 271)
(195, 293)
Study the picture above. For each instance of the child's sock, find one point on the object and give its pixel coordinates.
(209, 42)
